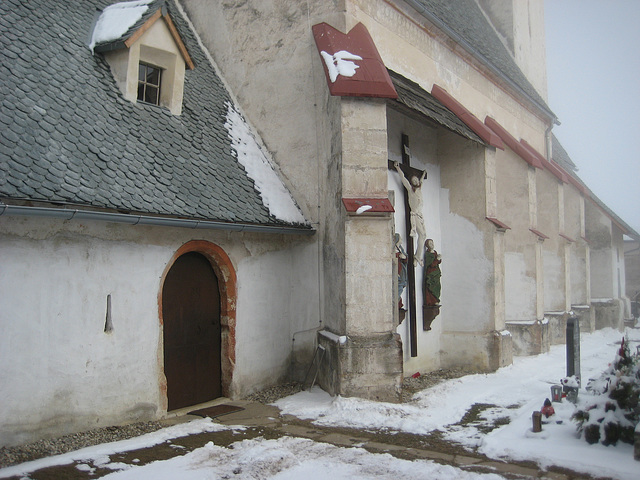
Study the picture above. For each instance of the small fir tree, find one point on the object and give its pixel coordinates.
(614, 412)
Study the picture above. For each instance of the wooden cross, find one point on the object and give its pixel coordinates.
(409, 172)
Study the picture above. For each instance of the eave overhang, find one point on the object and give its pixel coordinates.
(467, 117)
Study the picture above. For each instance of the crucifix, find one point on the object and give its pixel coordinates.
(414, 225)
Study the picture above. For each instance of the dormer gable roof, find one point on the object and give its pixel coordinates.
(121, 24)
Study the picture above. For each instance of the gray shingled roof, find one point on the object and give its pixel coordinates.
(419, 100)
(465, 22)
(67, 135)
(560, 155)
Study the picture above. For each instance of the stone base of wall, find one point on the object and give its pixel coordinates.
(636, 444)
(608, 313)
(530, 337)
(476, 351)
(587, 316)
(557, 327)
(366, 367)
(501, 353)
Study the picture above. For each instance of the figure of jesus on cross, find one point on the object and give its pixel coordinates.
(414, 194)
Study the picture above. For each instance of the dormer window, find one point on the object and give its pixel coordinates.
(149, 84)
(143, 47)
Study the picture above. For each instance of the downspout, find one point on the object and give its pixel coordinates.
(547, 140)
(129, 219)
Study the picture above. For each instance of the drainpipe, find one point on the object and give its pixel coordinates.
(129, 219)
(547, 140)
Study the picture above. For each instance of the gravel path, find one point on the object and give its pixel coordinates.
(56, 446)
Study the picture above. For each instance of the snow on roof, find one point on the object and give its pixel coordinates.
(116, 19)
(273, 192)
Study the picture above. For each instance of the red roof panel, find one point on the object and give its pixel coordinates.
(467, 117)
(367, 205)
(351, 63)
(512, 143)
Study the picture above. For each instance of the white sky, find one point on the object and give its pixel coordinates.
(593, 61)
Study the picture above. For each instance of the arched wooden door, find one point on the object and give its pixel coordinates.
(192, 332)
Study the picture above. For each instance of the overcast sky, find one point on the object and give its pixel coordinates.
(593, 62)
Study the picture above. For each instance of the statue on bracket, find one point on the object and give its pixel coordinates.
(414, 194)
(431, 284)
(403, 277)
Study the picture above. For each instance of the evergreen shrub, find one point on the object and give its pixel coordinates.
(612, 413)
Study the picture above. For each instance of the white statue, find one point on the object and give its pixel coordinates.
(415, 206)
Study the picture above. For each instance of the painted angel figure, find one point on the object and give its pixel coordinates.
(415, 205)
(340, 64)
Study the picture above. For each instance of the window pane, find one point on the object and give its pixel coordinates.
(153, 76)
(151, 95)
(149, 79)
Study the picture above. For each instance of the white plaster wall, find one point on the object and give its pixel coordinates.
(469, 273)
(620, 285)
(520, 288)
(62, 373)
(632, 269)
(578, 276)
(270, 310)
(521, 24)
(553, 268)
(602, 274)
(529, 42)
(59, 365)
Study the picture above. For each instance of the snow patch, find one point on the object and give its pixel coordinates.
(514, 392)
(273, 192)
(98, 455)
(116, 19)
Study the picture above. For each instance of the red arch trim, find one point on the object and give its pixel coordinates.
(227, 282)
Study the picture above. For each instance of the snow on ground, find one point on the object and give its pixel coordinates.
(286, 458)
(290, 458)
(98, 455)
(516, 391)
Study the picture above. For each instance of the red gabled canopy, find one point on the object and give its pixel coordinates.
(368, 77)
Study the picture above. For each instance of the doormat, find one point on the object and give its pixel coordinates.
(213, 412)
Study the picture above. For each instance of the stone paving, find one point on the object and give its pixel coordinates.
(266, 421)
